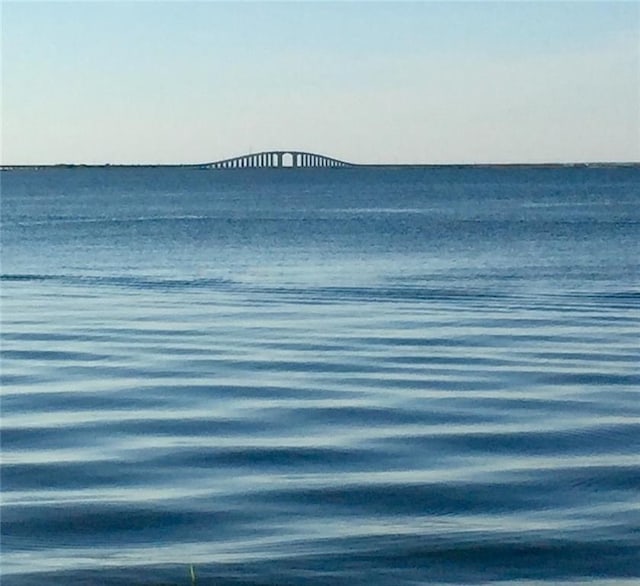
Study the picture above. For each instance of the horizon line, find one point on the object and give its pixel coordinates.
(603, 163)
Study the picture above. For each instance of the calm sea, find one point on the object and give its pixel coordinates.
(366, 376)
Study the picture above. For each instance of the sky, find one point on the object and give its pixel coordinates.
(369, 82)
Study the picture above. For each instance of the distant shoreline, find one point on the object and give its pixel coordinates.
(205, 167)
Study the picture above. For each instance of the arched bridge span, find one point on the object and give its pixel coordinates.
(277, 159)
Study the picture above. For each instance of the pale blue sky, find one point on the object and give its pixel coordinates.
(421, 82)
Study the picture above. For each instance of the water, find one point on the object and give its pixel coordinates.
(310, 377)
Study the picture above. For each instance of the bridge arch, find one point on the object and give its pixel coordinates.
(287, 159)
(276, 160)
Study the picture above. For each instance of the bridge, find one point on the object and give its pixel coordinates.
(276, 160)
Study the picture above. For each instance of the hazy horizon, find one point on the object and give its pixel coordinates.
(200, 164)
(372, 83)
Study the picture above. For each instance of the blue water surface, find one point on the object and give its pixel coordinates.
(362, 376)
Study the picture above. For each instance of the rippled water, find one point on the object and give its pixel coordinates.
(306, 377)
